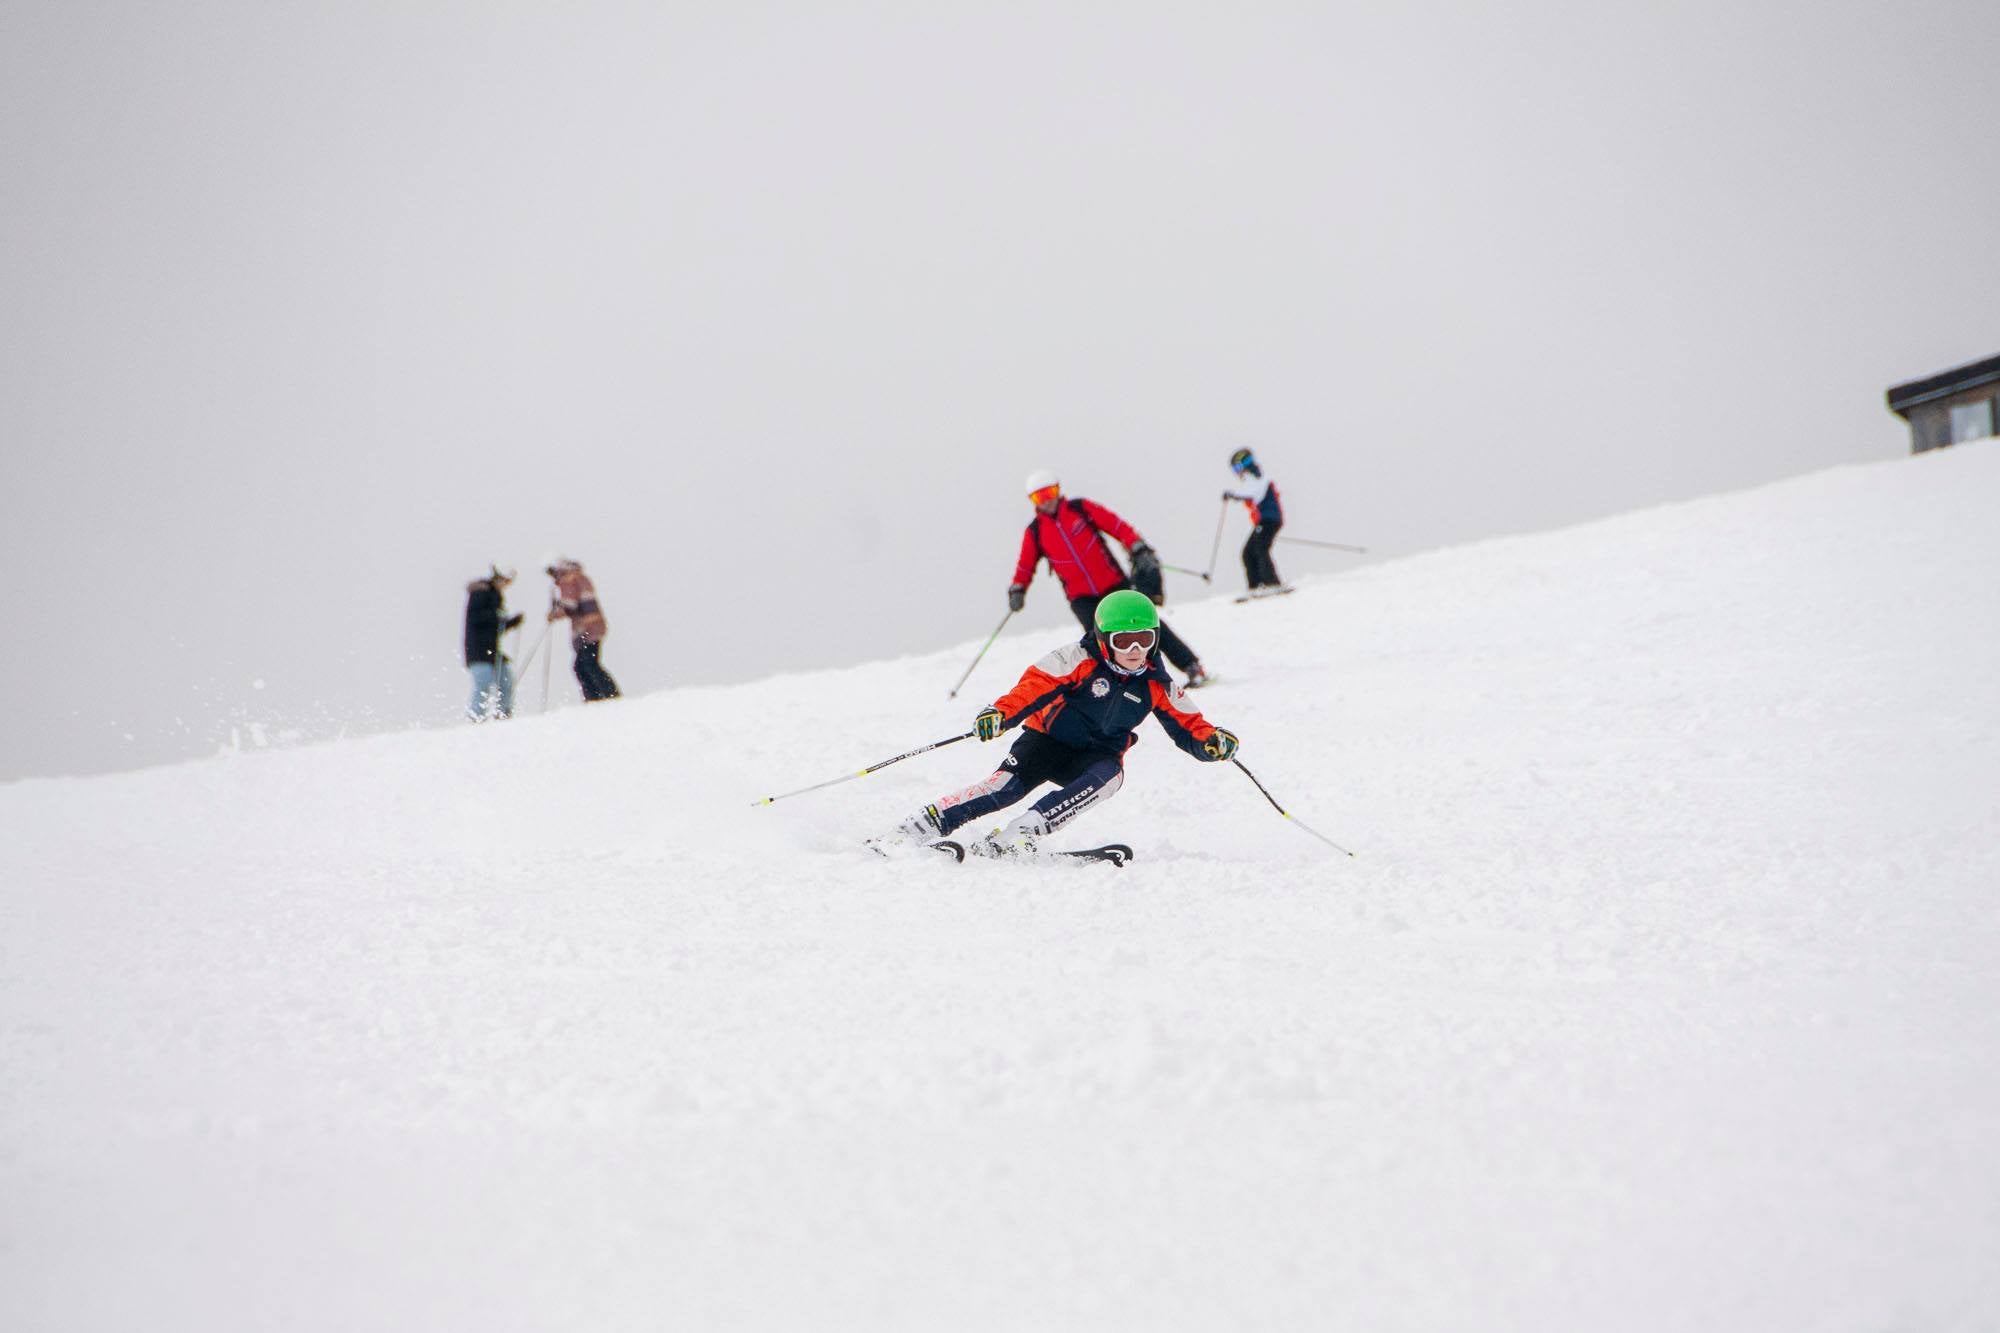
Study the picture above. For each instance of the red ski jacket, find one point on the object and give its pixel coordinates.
(1072, 541)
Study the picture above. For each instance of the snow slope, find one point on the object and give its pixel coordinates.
(1662, 994)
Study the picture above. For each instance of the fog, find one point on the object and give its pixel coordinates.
(307, 313)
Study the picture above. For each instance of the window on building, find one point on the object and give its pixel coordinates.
(1972, 421)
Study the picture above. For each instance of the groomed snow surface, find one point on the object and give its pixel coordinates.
(1664, 992)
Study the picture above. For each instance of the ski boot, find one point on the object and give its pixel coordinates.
(997, 846)
(1017, 842)
(924, 826)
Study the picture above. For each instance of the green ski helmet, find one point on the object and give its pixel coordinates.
(1126, 609)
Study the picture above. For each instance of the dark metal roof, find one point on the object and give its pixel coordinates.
(1918, 392)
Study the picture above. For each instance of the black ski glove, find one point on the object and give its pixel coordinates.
(1220, 746)
(1017, 596)
(1146, 576)
(989, 722)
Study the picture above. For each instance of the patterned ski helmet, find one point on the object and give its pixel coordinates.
(1241, 461)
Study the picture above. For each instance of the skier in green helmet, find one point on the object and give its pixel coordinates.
(1077, 709)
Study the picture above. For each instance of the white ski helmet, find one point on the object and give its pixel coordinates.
(1041, 479)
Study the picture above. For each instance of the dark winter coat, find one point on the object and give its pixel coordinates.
(483, 622)
(1074, 696)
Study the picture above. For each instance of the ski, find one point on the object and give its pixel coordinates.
(885, 848)
(1116, 853)
(1261, 596)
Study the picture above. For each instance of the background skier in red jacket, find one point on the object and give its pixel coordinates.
(1069, 534)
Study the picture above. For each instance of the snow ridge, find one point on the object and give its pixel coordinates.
(1661, 994)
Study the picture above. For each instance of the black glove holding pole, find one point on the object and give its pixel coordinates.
(1146, 576)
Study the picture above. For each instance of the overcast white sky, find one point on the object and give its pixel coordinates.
(764, 310)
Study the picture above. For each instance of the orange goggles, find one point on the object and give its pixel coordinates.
(1044, 495)
(1125, 640)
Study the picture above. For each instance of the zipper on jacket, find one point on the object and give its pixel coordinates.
(1081, 568)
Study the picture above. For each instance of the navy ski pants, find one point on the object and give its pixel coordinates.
(1257, 566)
(1083, 779)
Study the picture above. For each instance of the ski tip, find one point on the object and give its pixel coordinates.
(955, 850)
(1113, 853)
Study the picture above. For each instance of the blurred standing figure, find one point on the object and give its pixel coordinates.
(1260, 496)
(576, 598)
(486, 619)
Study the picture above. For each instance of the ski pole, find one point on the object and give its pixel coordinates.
(907, 754)
(1331, 546)
(1281, 809)
(548, 628)
(521, 676)
(1179, 570)
(981, 653)
(536, 649)
(1216, 550)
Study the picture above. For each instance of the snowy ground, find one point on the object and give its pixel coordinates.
(1664, 993)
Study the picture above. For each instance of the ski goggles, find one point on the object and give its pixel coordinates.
(1125, 640)
(1044, 495)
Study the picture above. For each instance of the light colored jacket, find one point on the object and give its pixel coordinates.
(576, 598)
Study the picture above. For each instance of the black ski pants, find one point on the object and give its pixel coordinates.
(590, 673)
(1257, 566)
(1171, 644)
(1082, 779)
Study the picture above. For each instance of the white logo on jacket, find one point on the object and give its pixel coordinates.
(1099, 688)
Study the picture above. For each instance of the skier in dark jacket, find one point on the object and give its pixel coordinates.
(1077, 709)
(1260, 496)
(1069, 534)
(486, 619)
